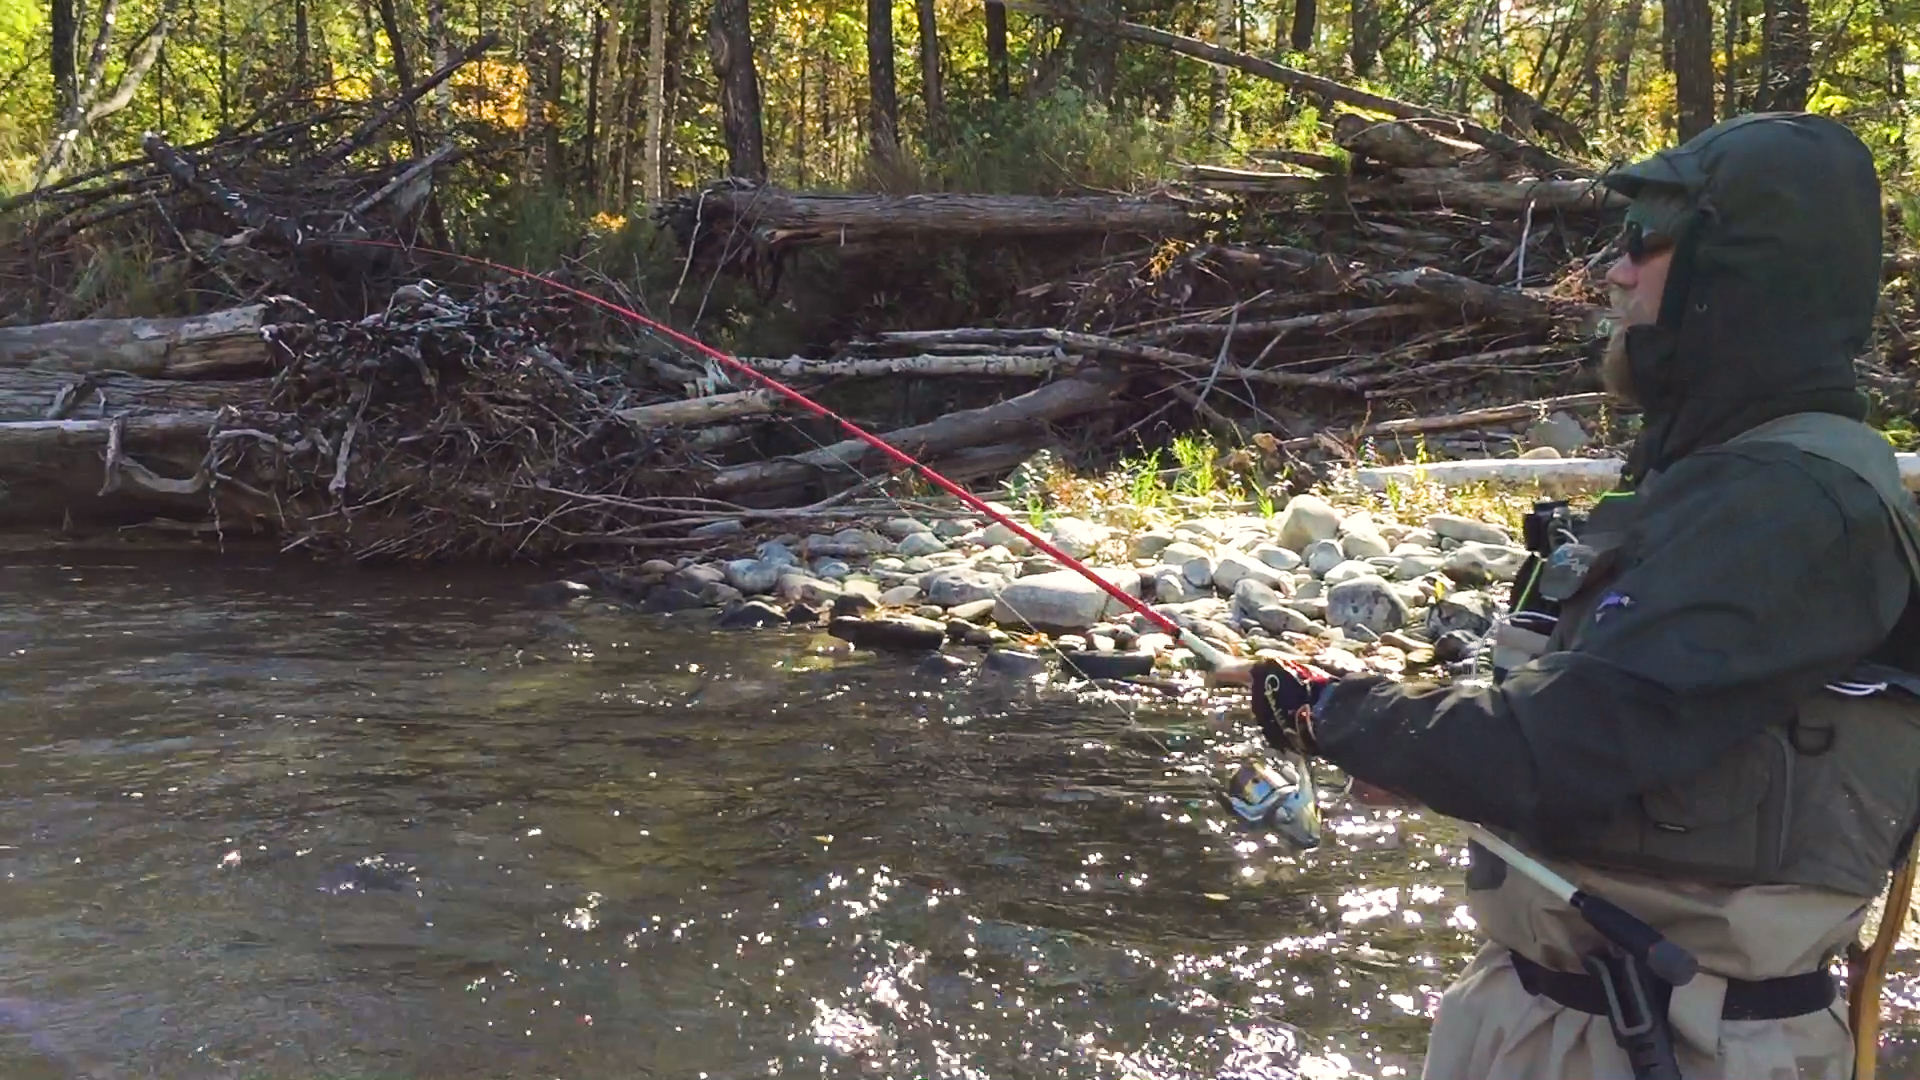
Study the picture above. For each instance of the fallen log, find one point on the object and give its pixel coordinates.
(971, 427)
(1255, 182)
(1400, 143)
(985, 366)
(1448, 187)
(792, 218)
(1565, 476)
(1468, 295)
(701, 410)
(47, 395)
(1323, 321)
(219, 343)
(28, 442)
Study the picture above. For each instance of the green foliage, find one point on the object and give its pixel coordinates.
(1198, 477)
(1058, 143)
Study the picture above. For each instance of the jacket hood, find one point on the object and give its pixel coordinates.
(1774, 282)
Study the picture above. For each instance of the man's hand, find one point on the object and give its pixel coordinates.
(1283, 697)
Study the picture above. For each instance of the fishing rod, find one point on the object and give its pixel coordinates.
(1643, 948)
(1212, 656)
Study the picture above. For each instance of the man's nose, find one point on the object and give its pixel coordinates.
(1622, 274)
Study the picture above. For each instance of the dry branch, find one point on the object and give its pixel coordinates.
(702, 410)
(972, 427)
(991, 366)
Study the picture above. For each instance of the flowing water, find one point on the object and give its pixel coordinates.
(263, 819)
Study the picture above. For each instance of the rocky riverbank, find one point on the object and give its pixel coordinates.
(1337, 578)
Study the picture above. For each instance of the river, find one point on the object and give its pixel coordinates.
(269, 819)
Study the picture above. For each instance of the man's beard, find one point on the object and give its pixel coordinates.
(1616, 371)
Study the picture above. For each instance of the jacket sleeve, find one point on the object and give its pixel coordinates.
(1759, 576)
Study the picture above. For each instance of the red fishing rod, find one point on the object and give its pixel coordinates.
(1208, 653)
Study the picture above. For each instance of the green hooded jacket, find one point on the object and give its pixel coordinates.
(1756, 572)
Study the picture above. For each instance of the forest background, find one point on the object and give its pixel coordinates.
(583, 113)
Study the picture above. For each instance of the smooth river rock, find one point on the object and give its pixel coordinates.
(1307, 518)
(1062, 600)
(955, 585)
(1365, 601)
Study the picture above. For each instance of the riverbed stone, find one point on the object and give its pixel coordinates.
(714, 530)
(919, 564)
(900, 595)
(1306, 519)
(850, 603)
(1365, 601)
(753, 576)
(902, 633)
(831, 569)
(796, 588)
(1468, 612)
(1277, 557)
(1000, 535)
(657, 566)
(1560, 433)
(719, 594)
(1062, 600)
(751, 615)
(1260, 604)
(1014, 663)
(919, 544)
(1322, 556)
(1233, 567)
(1363, 543)
(670, 598)
(1455, 646)
(973, 611)
(1076, 537)
(775, 553)
(954, 585)
(805, 614)
(1149, 544)
(1349, 570)
(902, 527)
(1170, 586)
(1418, 565)
(953, 528)
(1455, 527)
(1474, 563)
(692, 577)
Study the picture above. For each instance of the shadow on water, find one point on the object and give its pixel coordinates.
(274, 821)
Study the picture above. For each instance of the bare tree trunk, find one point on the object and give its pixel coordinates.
(302, 48)
(883, 106)
(731, 40)
(997, 48)
(534, 170)
(226, 100)
(1218, 120)
(1363, 45)
(1096, 51)
(66, 49)
(402, 68)
(1300, 34)
(930, 79)
(1786, 52)
(1596, 24)
(1623, 47)
(589, 147)
(67, 138)
(656, 96)
(437, 48)
(1691, 25)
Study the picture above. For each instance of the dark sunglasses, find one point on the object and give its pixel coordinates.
(1640, 245)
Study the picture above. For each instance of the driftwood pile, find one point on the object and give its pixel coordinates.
(272, 206)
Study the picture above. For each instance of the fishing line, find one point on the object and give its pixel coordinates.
(1212, 657)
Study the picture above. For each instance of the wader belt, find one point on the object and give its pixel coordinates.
(1766, 999)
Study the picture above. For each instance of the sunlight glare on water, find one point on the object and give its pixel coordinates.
(268, 820)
